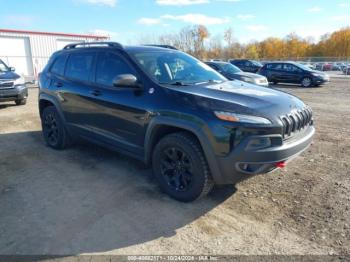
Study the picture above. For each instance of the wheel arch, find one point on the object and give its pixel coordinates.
(47, 100)
(162, 126)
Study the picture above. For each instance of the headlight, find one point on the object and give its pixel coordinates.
(260, 81)
(317, 75)
(247, 79)
(19, 81)
(232, 117)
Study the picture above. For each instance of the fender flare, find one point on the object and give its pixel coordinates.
(54, 101)
(188, 126)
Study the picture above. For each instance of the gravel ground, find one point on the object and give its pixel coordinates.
(88, 200)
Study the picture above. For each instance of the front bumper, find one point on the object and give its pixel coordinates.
(243, 162)
(13, 93)
(321, 80)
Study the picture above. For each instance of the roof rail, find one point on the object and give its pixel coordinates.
(164, 46)
(91, 44)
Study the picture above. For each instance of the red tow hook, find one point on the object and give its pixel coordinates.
(282, 164)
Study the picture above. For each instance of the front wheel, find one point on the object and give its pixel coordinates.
(21, 102)
(180, 167)
(306, 82)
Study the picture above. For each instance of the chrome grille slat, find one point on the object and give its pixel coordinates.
(294, 125)
(6, 85)
(304, 118)
(299, 120)
(296, 121)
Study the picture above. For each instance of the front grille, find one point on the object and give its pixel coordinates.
(6, 85)
(296, 121)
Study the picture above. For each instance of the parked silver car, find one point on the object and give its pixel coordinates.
(232, 72)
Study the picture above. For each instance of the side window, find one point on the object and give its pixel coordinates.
(287, 68)
(297, 69)
(291, 68)
(248, 63)
(58, 65)
(278, 67)
(274, 66)
(109, 66)
(79, 66)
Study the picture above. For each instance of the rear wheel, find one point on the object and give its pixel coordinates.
(21, 102)
(180, 167)
(54, 132)
(306, 82)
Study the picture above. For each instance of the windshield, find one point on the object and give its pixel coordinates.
(3, 67)
(173, 67)
(257, 63)
(231, 69)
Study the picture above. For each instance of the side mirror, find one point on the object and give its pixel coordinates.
(12, 69)
(126, 80)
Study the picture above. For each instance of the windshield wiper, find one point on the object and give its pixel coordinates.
(175, 83)
(208, 81)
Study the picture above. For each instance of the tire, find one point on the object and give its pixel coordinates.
(306, 82)
(21, 102)
(54, 131)
(180, 167)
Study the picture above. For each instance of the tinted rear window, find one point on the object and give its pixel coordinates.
(274, 66)
(58, 65)
(79, 66)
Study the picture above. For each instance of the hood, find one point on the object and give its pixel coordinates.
(250, 75)
(244, 98)
(240, 75)
(8, 75)
(317, 72)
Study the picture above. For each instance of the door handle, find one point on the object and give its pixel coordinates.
(95, 92)
(58, 84)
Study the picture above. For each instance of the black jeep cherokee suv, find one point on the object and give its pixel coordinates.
(167, 108)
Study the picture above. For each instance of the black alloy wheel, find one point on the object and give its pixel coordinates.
(176, 168)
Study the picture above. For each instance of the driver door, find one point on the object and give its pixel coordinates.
(118, 113)
(291, 73)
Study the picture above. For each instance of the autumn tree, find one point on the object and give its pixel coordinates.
(199, 34)
(196, 41)
(215, 48)
(252, 50)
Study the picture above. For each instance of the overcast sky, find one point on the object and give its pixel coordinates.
(128, 20)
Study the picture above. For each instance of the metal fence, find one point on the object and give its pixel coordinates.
(311, 59)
